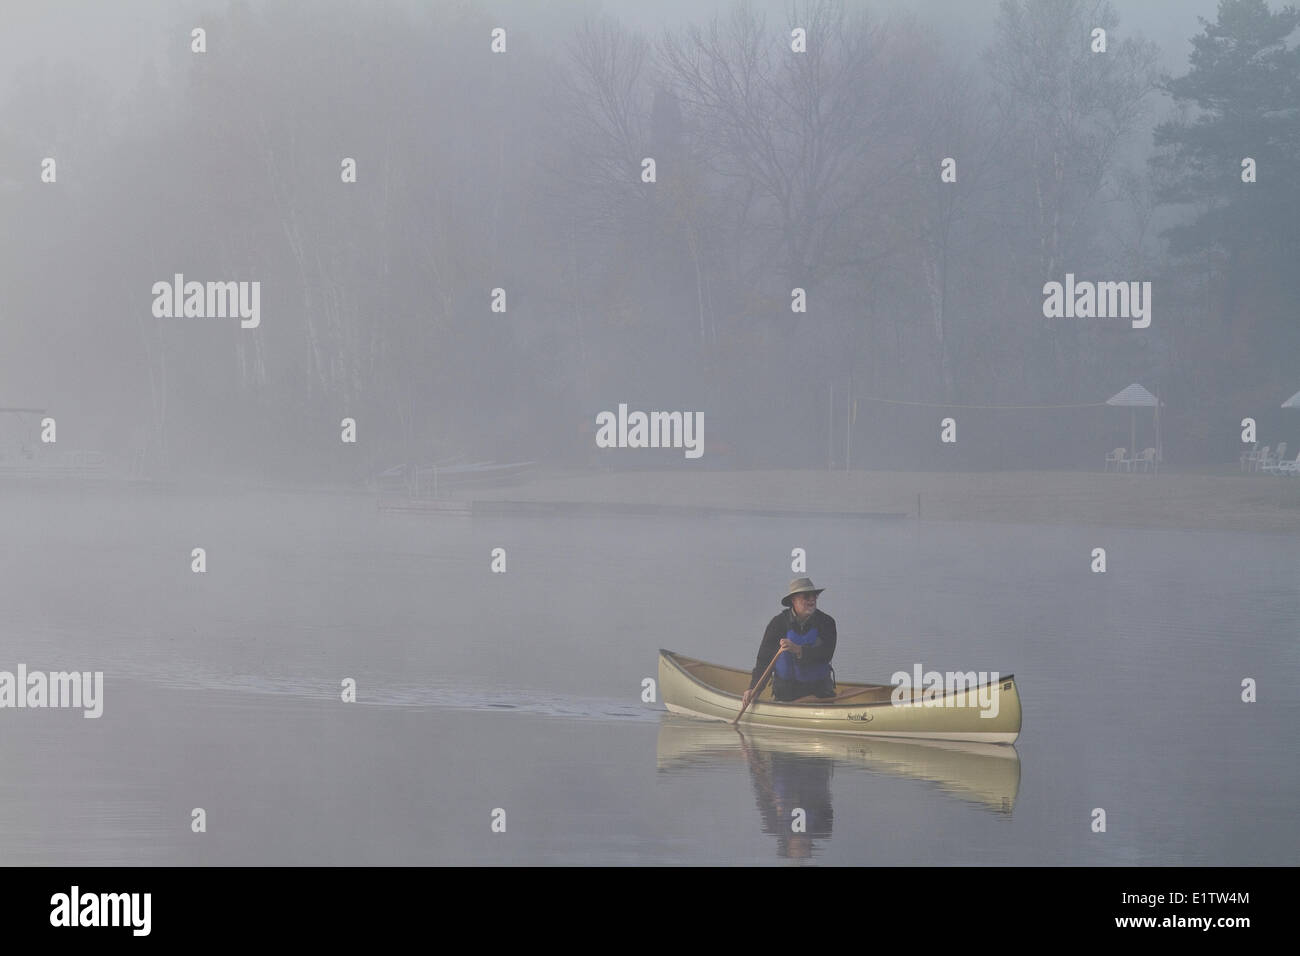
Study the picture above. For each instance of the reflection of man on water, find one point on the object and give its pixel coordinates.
(784, 783)
(807, 635)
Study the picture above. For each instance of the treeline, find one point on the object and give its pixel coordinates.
(523, 171)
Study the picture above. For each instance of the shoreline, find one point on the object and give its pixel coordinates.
(1249, 503)
(1260, 504)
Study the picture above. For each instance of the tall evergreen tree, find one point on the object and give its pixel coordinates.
(1240, 99)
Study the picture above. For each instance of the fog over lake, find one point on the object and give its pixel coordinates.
(527, 695)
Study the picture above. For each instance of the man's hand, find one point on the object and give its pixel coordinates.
(749, 695)
(789, 645)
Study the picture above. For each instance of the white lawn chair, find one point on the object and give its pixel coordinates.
(1270, 465)
(1117, 457)
(1261, 458)
(1289, 468)
(1248, 458)
(1147, 459)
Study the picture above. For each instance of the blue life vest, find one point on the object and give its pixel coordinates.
(789, 667)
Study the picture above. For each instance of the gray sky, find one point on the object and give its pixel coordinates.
(108, 37)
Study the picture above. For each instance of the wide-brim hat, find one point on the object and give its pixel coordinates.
(800, 586)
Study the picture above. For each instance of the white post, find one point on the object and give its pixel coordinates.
(848, 426)
(1132, 434)
(830, 431)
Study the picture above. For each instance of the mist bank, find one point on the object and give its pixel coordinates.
(471, 243)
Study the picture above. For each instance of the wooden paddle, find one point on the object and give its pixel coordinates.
(758, 688)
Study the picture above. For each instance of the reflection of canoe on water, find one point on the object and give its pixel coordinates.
(989, 774)
(699, 689)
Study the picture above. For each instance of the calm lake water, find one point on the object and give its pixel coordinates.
(522, 691)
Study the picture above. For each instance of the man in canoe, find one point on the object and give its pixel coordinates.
(807, 635)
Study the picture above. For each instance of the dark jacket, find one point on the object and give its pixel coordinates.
(818, 652)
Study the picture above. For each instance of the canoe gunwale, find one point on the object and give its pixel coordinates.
(830, 703)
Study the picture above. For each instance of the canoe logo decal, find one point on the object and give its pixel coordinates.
(864, 716)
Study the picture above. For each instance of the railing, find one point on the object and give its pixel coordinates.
(72, 464)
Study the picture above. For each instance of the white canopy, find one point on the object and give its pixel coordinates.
(1293, 401)
(1133, 395)
(1133, 398)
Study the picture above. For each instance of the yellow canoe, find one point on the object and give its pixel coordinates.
(987, 713)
